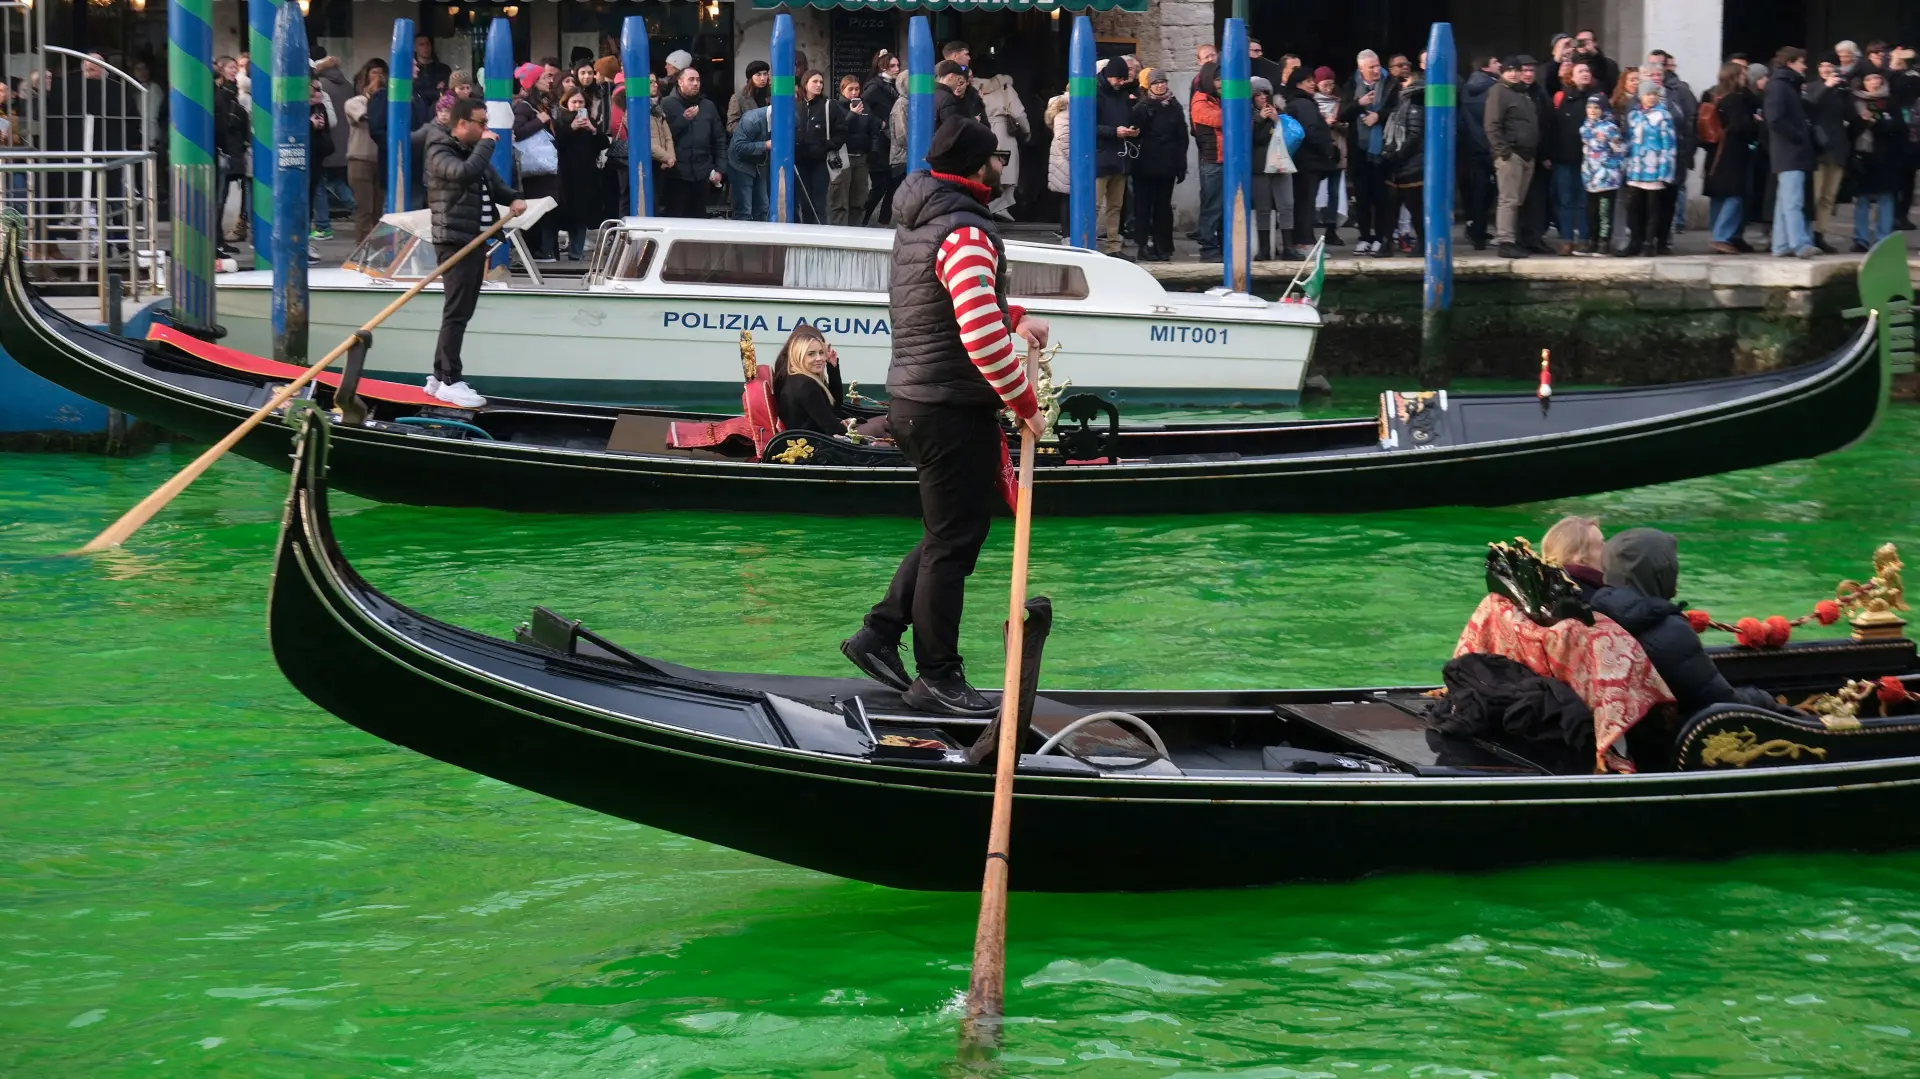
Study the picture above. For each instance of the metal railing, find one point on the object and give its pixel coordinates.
(80, 164)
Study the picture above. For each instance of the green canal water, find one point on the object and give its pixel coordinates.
(201, 874)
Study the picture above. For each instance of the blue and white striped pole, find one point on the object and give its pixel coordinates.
(260, 68)
(781, 176)
(920, 110)
(1236, 168)
(636, 61)
(497, 83)
(1083, 90)
(292, 134)
(1437, 312)
(399, 117)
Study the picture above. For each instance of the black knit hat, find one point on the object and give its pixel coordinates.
(961, 146)
(756, 67)
(1115, 68)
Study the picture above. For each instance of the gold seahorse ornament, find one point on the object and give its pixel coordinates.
(1741, 748)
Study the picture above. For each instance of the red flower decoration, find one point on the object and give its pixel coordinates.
(1698, 619)
(1778, 630)
(1750, 633)
(1827, 611)
(1892, 690)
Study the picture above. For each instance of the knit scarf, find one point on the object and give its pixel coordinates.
(1379, 90)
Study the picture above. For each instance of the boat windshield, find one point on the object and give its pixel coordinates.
(393, 252)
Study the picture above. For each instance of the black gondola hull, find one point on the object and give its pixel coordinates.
(1667, 433)
(630, 747)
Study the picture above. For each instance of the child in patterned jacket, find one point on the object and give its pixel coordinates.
(1652, 153)
(1602, 163)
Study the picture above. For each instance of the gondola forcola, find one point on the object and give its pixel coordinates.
(1422, 449)
(1190, 790)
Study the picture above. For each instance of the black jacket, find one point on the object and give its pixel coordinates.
(1878, 138)
(699, 144)
(1563, 145)
(1830, 110)
(1403, 145)
(930, 365)
(1353, 114)
(945, 104)
(1513, 122)
(880, 95)
(804, 406)
(1113, 109)
(232, 128)
(319, 139)
(1727, 163)
(1473, 112)
(1789, 134)
(851, 129)
(1163, 138)
(1317, 152)
(1670, 642)
(454, 175)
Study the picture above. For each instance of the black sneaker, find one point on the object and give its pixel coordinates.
(1513, 251)
(877, 658)
(948, 696)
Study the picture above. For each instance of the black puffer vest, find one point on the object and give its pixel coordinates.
(930, 365)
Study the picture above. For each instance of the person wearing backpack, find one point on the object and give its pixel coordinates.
(1728, 128)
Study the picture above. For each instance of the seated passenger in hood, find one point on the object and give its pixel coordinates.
(1642, 569)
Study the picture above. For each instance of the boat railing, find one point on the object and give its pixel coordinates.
(79, 163)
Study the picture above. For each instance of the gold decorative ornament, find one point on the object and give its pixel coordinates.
(1045, 390)
(797, 451)
(1741, 748)
(1840, 710)
(1871, 605)
(749, 366)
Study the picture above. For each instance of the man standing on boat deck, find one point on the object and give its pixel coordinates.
(465, 193)
(958, 359)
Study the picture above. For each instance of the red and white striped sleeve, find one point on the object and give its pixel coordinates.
(967, 267)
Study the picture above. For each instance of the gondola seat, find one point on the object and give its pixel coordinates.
(1729, 736)
(758, 422)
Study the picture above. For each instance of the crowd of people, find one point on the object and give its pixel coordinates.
(1575, 155)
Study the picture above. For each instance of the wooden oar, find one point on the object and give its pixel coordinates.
(130, 522)
(986, 990)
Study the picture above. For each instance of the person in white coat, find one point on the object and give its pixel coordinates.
(1008, 118)
(1059, 170)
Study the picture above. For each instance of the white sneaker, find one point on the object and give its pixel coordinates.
(433, 386)
(459, 395)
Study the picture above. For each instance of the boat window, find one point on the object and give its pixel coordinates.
(1046, 281)
(630, 260)
(384, 248)
(777, 266)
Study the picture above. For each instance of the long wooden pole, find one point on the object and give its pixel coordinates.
(987, 989)
(130, 522)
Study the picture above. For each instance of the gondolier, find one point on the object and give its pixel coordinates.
(958, 359)
(465, 192)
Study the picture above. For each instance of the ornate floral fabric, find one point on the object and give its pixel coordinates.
(1602, 662)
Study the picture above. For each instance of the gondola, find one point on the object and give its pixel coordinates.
(1114, 791)
(1422, 449)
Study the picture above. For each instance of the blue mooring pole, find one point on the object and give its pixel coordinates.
(1236, 166)
(1083, 90)
(292, 134)
(497, 83)
(1437, 312)
(919, 92)
(781, 176)
(260, 19)
(400, 116)
(637, 61)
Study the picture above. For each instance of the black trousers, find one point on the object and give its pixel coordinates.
(681, 197)
(1153, 212)
(880, 195)
(1479, 193)
(1532, 231)
(1643, 208)
(1600, 219)
(1370, 197)
(956, 451)
(1413, 197)
(1306, 188)
(462, 281)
